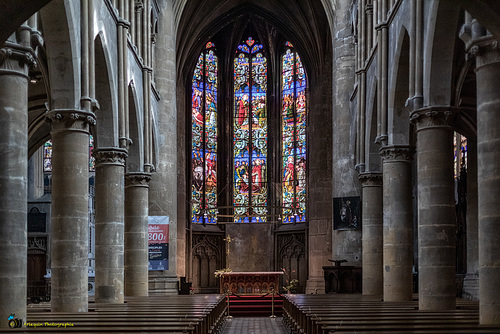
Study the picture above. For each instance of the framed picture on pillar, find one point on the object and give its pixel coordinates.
(347, 213)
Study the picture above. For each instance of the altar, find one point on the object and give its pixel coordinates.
(250, 283)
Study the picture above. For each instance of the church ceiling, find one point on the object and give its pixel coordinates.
(304, 22)
(13, 13)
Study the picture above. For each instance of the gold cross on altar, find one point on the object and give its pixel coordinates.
(228, 240)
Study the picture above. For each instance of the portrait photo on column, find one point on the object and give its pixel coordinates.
(347, 213)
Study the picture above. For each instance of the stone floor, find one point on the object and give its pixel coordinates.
(260, 325)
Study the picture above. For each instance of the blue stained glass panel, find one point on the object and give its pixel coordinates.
(250, 191)
(293, 122)
(204, 138)
(47, 155)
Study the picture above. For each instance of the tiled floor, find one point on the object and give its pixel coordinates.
(261, 325)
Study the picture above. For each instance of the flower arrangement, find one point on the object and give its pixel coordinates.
(291, 284)
(220, 272)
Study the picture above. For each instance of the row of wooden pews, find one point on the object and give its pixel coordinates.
(196, 314)
(354, 313)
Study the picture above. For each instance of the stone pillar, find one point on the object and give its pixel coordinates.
(70, 209)
(398, 222)
(488, 175)
(331, 164)
(14, 61)
(372, 222)
(436, 209)
(471, 280)
(136, 233)
(167, 190)
(109, 224)
(35, 175)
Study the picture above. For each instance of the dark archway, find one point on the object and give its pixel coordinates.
(273, 22)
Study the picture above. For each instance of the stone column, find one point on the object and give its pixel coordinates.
(136, 233)
(436, 209)
(14, 61)
(471, 280)
(70, 209)
(398, 223)
(372, 222)
(109, 224)
(167, 190)
(331, 164)
(488, 175)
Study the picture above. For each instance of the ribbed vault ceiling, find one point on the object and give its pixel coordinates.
(304, 22)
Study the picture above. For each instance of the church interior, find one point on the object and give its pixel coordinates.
(331, 152)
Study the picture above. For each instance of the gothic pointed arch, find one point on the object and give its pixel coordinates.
(439, 51)
(135, 157)
(250, 199)
(61, 36)
(106, 131)
(399, 110)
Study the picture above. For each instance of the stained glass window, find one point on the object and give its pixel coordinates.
(293, 127)
(47, 155)
(460, 160)
(91, 159)
(250, 189)
(204, 138)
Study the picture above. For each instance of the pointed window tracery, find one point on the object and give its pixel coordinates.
(204, 137)
(293, 127)
(250, 191)
(247, 195)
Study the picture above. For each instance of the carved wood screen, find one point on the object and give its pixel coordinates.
(207, 253)
(291, 256)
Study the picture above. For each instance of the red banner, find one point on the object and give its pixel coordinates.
(158, 242)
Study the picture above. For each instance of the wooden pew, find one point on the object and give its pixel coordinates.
(319, 314)
(198, 314)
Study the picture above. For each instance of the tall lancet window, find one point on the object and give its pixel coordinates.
(293, 127)
(250, 189)
(204, 138)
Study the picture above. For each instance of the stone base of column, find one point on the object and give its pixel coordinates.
(470, 290)
(163, 285)
(316, 285)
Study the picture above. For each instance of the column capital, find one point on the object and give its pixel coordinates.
(11, 52)
(479, 44)
(68, 117)
(137, 179)
(486, 50)
(397, 153)
(433, 117)
(110, 156)
(370, 179)
(138, 6)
